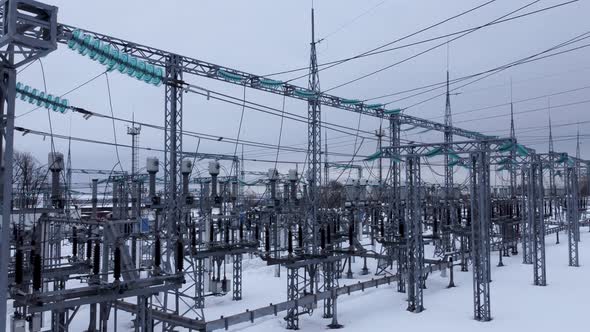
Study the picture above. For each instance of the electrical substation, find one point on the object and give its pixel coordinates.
(153, 244)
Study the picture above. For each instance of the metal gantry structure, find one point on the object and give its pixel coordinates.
(172, 245)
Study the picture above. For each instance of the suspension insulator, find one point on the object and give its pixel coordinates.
(96, 260)
(226, 233)
(290, 241)
(18, 267)
(434, 226)
(300, 236)
(241, 232)
(157, 252)
(88, 250)
(194, 236)
(382, 227)
(322, 238)
(350, 234)
(267, 239)
(74, 242)
(179, 256)
(117, 262)
(401, 229)
(37, 272)
(211, 231)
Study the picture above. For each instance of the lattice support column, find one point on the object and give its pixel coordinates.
(237, 277)
(525, 224)
(536, 209)
(292, 317)
(480, 233)
(395, 225)
(172, 176)
(415, 277)
(329, 284)
(200, 283)
(573, 231)
(314, 149)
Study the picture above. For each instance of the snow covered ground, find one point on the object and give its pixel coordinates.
(517, 305)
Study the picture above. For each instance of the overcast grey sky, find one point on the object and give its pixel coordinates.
(266, 36)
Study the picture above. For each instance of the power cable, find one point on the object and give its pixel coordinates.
(429, 49)
(366, 53)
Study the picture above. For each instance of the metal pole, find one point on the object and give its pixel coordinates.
(7, 94)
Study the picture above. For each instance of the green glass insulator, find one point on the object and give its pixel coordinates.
(55, 104)
(158, 76)
(84, 46)
(33, 97)
(25, 92)
(74, 41)
(19, 88)
(140, 69)
(123, 60)
(132, 66)
(104, 52)
(41, 98)
(64, 105)
(113, 59)
(149, 73)
(95, 45)
(48, 101)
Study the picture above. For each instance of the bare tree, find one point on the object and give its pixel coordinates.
(28, 177)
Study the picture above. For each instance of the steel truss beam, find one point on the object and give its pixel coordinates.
(229, 75)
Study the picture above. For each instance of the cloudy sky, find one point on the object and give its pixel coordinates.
(269, 36)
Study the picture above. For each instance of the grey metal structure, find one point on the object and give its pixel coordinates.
(415, 250)
(480, 235)
(177, 245)
(28, 31)
(536, 217)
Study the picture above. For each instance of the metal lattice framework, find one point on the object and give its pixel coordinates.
(480, 235)
(415, 273)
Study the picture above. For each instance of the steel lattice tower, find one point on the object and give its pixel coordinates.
(314, 142)
(447, 245)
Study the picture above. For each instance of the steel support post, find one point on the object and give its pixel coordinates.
(292, 317)
(7, 99)
(573, 229)
(200, 283)
(415, 249)
(329, 284)
(314, 149)
(237, 277)
(536, 209)
(448, 215)
(525, 222)
(396, 217)
(29, 31)
(480, 233)
(172, 176)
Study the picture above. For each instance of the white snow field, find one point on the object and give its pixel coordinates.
(517, 305)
